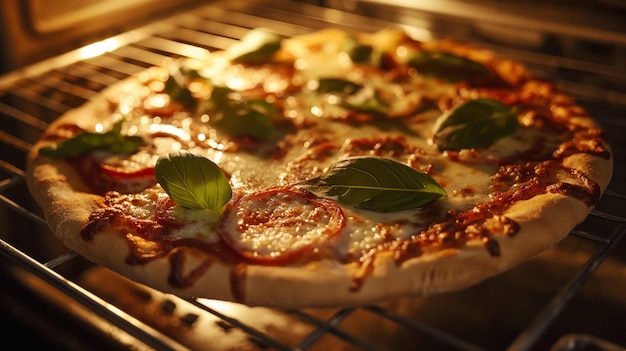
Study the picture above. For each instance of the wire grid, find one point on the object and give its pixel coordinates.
(28, 102)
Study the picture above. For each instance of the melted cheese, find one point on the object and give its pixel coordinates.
(467, 183)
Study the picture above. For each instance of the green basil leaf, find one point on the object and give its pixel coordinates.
(372, 105)
(376, 184)
(221, 96)
(237, 115)
(176, 87)
(448, 66)
(126, 145)
(358, 52)
(474, 124)
(245, 121)
(367, 101)
(257, 46)
(337, 85)
(262, 106)
(193, 181)
(179, 93)
(220, 99)
(111, 141)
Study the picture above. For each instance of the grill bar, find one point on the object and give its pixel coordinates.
(330, 326)
(264, 338)
(453, 341)
(103, 309)
(529, 337)
(31, 98)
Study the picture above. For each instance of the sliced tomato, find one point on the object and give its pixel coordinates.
(280, 225)
(117, 172)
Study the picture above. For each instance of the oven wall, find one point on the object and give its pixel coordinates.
(32, 30)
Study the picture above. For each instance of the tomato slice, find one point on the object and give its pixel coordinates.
(124, 173)
(280, 225)
(118, 172)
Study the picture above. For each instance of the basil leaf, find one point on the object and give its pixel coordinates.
(193, 181)
(447, 66)
(221, 96)
(111, 141)
(239, 116)
(367, 101)
(245, 121)
(337, 85)
(262, 106)
(179, 92)
(474, 124)
(257, 46)
(358, 52)
(176, 86)
(356, 96)
(376, 184)
(372, 105)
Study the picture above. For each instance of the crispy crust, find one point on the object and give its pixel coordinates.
(544, 220)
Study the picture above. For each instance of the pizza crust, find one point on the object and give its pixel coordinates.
(543, 219)
(67, 204)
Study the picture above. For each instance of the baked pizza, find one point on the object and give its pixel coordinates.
(328, 169)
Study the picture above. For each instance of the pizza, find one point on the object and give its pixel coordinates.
(327, 169)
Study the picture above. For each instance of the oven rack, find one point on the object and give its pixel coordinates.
(33, 97)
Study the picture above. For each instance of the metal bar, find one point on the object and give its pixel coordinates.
(60, 259)
(527, 338)
(23, 211)
(270, 341)
(330, 326)
(607, 216)
(59, 85)
(43, 101)
(591, 237)
(437, 334)
(112, 314)
(113, 63)
(138, 54)
(15, 142)
(174, 47)
(89, 74)
(23, 117)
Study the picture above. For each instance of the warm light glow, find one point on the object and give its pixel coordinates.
(224, 307)
(317, 111)
(236, 83)
(169, 129)
(99, 48)
(158, 100)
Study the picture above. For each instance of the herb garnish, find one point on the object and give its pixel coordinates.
(112, 141)
(231, 112)
(257, 46)
(236, 115)
(353, 96)
(450, 67)
(376, 184)
(474, 124)
(176, 86)
(358, 52)
(193, 181)
(337, 85)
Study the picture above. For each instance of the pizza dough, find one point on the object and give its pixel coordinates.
(288, 237)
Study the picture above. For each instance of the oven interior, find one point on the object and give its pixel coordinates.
(571, 297)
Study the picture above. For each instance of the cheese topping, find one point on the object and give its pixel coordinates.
(377, 112)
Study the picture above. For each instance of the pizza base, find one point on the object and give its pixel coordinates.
(63, 196)
(319, 284)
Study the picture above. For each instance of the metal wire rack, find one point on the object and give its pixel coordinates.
(33, 97)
